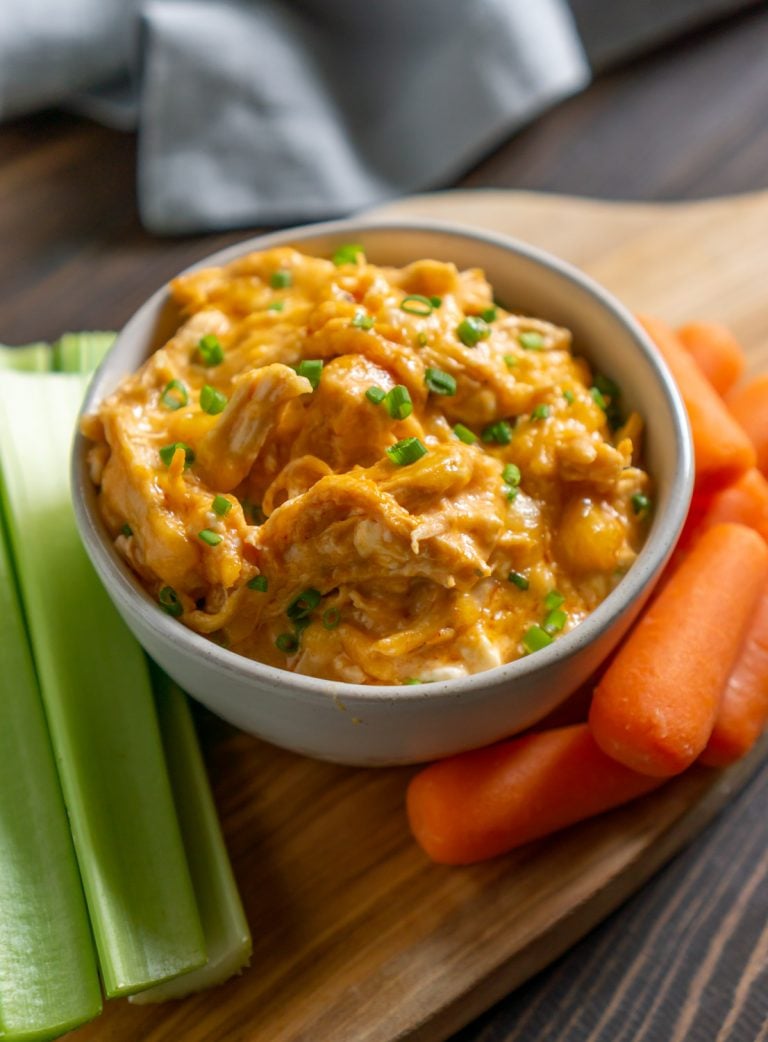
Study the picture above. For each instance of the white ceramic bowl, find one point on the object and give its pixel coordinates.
(357, 724)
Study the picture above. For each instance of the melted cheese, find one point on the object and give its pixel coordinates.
(411, 562)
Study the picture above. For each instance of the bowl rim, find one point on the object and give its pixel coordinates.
(647, 566)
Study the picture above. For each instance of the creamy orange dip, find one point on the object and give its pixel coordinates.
(368, 474)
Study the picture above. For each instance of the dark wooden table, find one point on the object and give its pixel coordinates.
(687, 959)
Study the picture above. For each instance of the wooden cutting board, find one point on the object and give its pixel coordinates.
(357, 937)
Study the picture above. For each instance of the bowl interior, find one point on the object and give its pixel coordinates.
(524, 279)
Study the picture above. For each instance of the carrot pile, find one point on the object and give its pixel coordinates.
(690, 682)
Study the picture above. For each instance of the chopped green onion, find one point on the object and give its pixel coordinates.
(210, 537)
(281, 279)
(210, 350)
(518, 580)
(126, 530)
(169, 601)
(540, 412)
(301, 624)
(606, 386)
(597, 398)
(227, 937)
(212, 401)
(331, 618)
(406, 451)
(169, 451)
(312, 369)
(258, 582)
(412, 680)
(375, 394)
(472, 330)
(511, 361)
(464, 434)
(500, 432)
(398, 402)
(555, 620)
(435, 301)
(531, 341)
(276, 305)
(490, 314)
(421, 338)
(134, 873)
(535, 638)
(303, 604)
(569, 396)
(175, 395)
(221, 505)
(288, 642)
(415, 304)
(640, 503)
(511, 492)
(362, 321)
(347, 254)
(553, 600)
(439, 382)
(511, 474)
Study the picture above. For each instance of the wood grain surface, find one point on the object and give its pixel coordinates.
(357, 937)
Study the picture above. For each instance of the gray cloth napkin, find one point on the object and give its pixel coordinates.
(268, 112)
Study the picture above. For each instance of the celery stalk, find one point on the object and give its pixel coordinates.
(48, 978)
(80, 352)
(98, 703)
(31, 358)
(227, 937)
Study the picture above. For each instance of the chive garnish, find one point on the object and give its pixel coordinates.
(412, 680)
(406, 451)
(258, 582)
(555, 620)
(210, 350)
(210, 537)
(126, 530)
(535, 638)
(398, 402)
(540, 412)
(472, 330)
(569, 396)
(375, 394)
(175, 395)
(531, 341)
(518, 580)
(640, 503)
(212, 401)
(275, 305)
(511, 361)
(416, 304)
(597, 398)
(511, 474)
(489, 315)
(221, 505)
(347, 254)
(553, 600)
(362, 321)
(169, 451)
(303, 603)
(464, 434)
(288, 642)
(312, 369)
(439, 382)
(421, 339)
(169, 601)
(500, 432)
(281, 279)
(331, 618)
(435, 301)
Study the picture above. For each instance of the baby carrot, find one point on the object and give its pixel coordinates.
(744, 502)
(485, 802)
(716, 351)
(655, 708)
(749, 404)
(743, 709)
(722, 449)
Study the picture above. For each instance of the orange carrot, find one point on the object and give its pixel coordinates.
(722, 449)
(749, 404)
(716, 352)
(486, 802)
(655, 708)
(745, 502)
(743, 709)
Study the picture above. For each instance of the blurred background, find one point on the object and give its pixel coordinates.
(192, 120)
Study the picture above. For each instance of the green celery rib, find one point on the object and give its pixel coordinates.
(80, 352)
(48, 978)
(99, 705)
(32, 358)
(227, 936)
